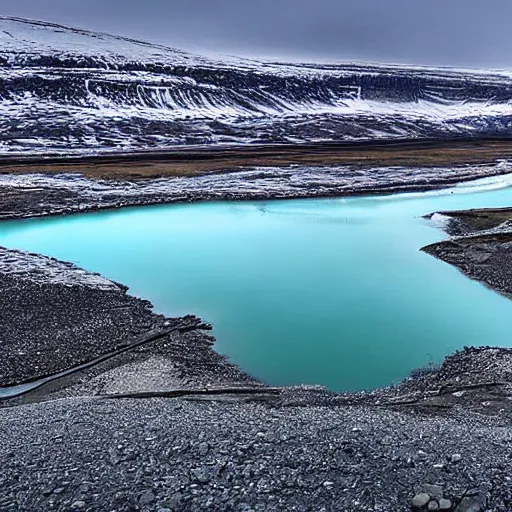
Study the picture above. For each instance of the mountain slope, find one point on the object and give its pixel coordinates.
(73, 91)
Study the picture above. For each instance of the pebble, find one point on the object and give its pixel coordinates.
(147, 498)
(84, 488)
(468, 505)
(456, 457)
(203, 448)
(445, 504)
(174, 500)
(78, 505)
(48, 490)
(435, 491)
(433, 505)
(202, 475)
(420, 500)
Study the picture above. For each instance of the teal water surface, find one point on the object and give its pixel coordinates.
(332, 292)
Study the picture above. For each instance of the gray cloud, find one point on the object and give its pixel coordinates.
(472, 33)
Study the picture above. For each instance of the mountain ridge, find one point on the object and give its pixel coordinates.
(76, 91)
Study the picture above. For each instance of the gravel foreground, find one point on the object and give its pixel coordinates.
(100, 440)
(161, 455)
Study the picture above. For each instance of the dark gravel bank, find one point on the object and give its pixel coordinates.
(481, 246)
(56, 316)
(162, 455)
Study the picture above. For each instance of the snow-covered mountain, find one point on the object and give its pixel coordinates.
(73, 91)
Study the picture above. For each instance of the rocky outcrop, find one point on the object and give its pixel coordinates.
(481, 246)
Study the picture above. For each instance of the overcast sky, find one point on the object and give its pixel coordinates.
(475, 33)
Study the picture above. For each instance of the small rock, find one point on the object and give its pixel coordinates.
(456, 457)
(78, 505)
(59, 490)
(445, 504)
(174, 500)
(202, 475)
(421, 454)
(468, 505)
(84, 488)
(328, 484)
(203, 449)
(146, 498)
(420, 500)
(433, 505)
(435, 491)
(48, 490)
(120, 497)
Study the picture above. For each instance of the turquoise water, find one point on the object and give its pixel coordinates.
(332, 292)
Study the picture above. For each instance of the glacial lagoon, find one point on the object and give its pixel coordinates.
(333, 292)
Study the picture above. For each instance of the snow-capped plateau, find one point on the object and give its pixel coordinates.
(64, 90)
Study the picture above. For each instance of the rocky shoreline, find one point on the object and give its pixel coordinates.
(36, 195)
(480, 245)
(56, 316)
(169, 424)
